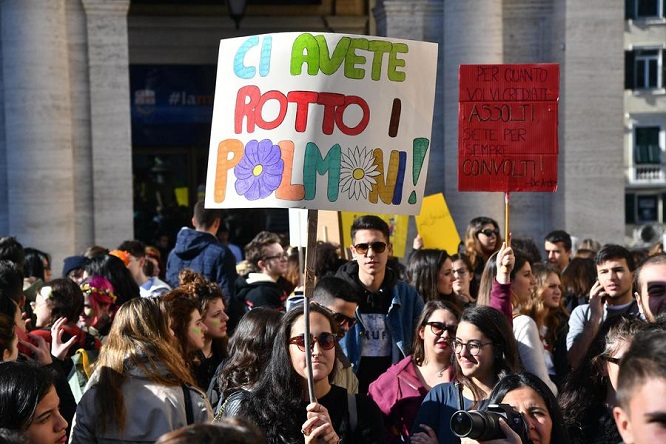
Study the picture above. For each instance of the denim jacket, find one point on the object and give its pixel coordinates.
(406, 307)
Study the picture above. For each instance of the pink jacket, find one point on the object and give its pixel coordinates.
(398, 392)
(500, 299)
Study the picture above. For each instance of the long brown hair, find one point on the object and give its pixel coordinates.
(418, 355)
(181, 305)
(472, 244)
(542, 315)
(495, 326)
(139, 337)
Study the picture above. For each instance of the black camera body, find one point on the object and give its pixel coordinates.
(484, 425)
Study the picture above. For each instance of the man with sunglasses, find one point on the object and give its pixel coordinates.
(388, 309)
(337, 297)
(558, 248)
(651, 285)
(264, 285)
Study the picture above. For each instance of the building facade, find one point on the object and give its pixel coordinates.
(645, 113)
(106, 102)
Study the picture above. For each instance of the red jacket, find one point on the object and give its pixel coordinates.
(84, 340)
(398, 392)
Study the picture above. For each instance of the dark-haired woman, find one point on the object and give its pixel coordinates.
(430, 271)
(528, 395)
(210, 300)
(485, 351)
(114, 269)
(62, 298)
(29, 403)
(280, 403)
(515, 268)
(400, 390)
(482, 239)
(465, 284)
(249, 350)
(577, 280)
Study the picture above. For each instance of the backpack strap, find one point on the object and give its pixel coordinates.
(353, 412)
(189, 414)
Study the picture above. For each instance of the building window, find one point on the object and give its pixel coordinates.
(644, 69)
(630, 208)
(644, 9)
(646, 145)
(647, 209)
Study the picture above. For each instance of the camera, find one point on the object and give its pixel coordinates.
(484, 425)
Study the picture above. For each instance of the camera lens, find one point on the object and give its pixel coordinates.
(461, 423)
(476, 424)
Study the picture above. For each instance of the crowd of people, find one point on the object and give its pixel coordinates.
(205, 344)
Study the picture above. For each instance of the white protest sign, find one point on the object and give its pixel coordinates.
(321, 121)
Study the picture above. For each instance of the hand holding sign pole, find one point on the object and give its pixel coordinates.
(507, 132)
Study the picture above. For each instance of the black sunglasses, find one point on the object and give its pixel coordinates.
(338, 317)
(325, 341)
(615, 361)
(377, 247)
(488, 232)
(438, 328)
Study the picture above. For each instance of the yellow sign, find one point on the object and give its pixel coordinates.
(397, 229)
(436, 226)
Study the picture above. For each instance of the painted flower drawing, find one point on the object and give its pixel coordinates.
(357, 172)
(259, 172)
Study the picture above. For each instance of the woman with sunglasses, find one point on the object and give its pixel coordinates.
(280, 403)
(401, 389)
(465, 285)
(482, 239)
(485, 351)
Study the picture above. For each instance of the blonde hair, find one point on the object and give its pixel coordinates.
(535, 308)
(139, 337)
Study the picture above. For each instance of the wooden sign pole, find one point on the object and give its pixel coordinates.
(310, 255)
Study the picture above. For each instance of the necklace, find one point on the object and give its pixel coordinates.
(441, 373)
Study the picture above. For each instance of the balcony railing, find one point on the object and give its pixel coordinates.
(647, 174)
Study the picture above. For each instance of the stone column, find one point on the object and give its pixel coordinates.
(110, 120)
(77, 38)
(473, 34)
(38, 127)
(589, 43)
(421, 20)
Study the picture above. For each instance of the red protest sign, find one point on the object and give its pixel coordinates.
(507, 131)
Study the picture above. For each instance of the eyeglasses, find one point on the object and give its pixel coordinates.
(325, 341)
(488, 232)
(438, 328)
(341, 319)
(377, 247)
(281, 257)
(460, 272)
(615, 361)
(473, 347)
